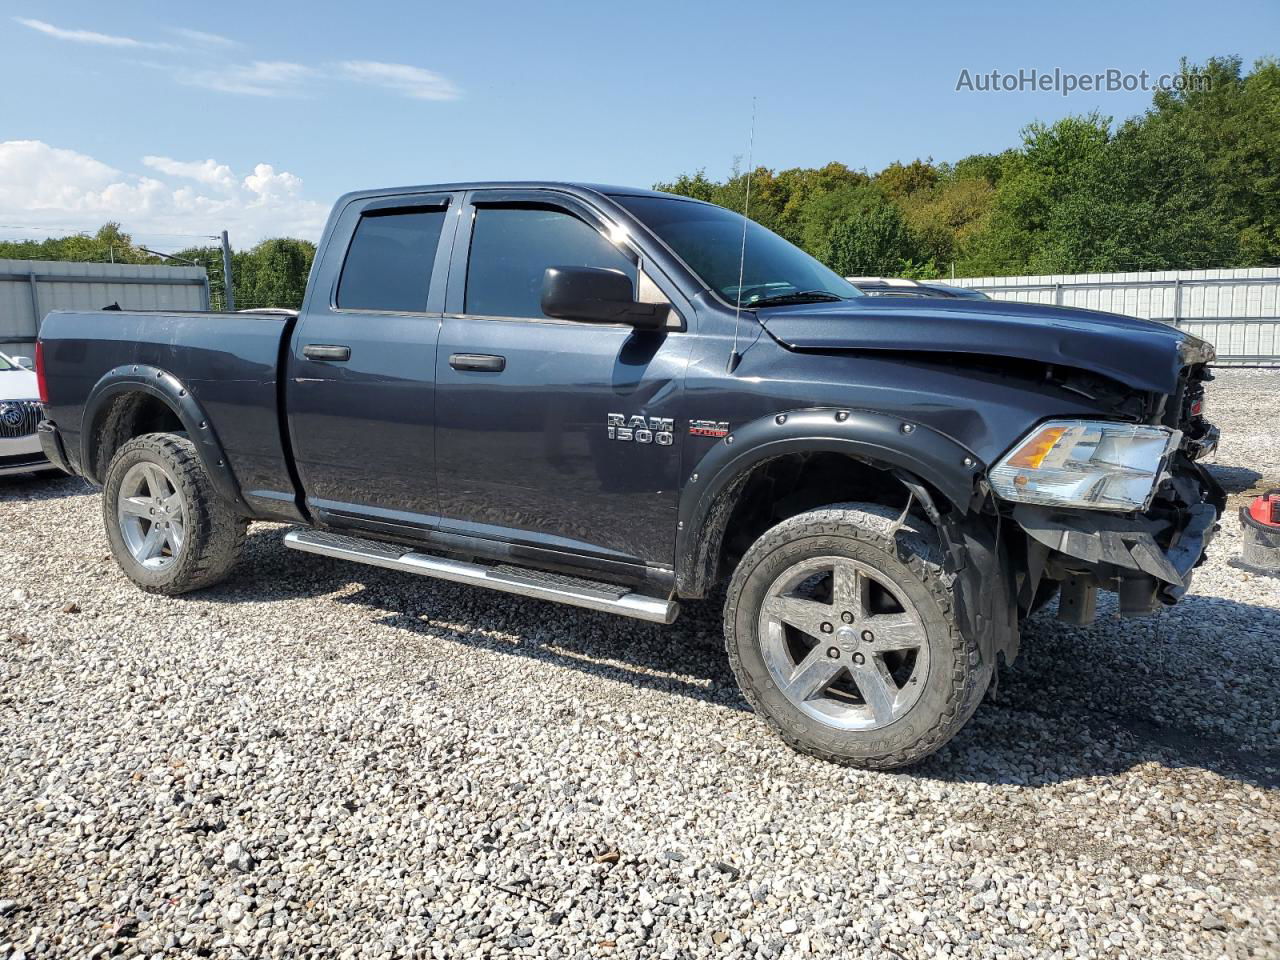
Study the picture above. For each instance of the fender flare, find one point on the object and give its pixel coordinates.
(711, 490)
(173, 393)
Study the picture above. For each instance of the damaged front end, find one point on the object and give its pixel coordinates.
(1146, 558)
(1147, 554)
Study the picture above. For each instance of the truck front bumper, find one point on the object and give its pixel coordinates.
(1146, 558)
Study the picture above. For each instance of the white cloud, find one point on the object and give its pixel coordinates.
(268, 186)
(201, 37)
(42, 186)
(208, 172)
(413, 82)
(90, 36)
(261, 78)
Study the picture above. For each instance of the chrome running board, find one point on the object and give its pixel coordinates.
(576, 592)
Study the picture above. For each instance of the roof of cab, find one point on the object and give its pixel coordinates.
(598, 188)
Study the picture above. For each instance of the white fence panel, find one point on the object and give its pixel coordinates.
(29, 289)
(1238, 311)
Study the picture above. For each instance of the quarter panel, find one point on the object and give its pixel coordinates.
(226, 361)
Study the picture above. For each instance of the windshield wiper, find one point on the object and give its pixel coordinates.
(797, 296)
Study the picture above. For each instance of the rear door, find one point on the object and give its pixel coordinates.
(361, 388)
(551, 433)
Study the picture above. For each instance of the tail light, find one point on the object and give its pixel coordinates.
(41, 383)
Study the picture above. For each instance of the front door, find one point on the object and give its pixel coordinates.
(361, 389)
(551, 433)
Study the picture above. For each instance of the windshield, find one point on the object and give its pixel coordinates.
(709, 240)
(6, 364)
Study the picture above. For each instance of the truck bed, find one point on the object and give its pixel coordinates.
(227, 362)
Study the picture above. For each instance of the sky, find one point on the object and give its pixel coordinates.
(180, 121)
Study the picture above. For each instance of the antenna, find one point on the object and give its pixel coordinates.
(734, 357)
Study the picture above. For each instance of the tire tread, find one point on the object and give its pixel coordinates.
(873, 525)
(215, 534)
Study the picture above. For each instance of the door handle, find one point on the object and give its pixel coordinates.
(326, 351)
(484, 362)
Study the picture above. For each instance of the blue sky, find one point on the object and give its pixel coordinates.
(293, 103)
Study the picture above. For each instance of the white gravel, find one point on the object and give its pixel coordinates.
(328, 760)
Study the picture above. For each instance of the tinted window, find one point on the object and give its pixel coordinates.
(389, 262)
(511, 247)
(710, 240)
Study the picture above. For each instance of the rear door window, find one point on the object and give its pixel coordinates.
(511, 248)
(388, 265)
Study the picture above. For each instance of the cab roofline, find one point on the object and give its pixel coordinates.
(598, 189)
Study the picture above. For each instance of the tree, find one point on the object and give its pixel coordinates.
(277, 273)
(1233, 119)
(1147, 203)
(271, 274)
(697, 186)
(876, 243)
(899, 181)
(108, 244)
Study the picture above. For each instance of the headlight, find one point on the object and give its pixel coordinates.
(1085, 463)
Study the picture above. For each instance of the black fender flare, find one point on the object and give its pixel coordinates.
(904, 445)
(173, 393)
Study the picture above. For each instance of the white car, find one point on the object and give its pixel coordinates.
(19, 414)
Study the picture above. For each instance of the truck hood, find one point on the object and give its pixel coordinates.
(1143, 354)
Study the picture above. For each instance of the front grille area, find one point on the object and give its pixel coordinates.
(1192, 403)
(18, 418)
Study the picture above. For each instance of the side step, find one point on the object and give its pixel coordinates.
(509, 579)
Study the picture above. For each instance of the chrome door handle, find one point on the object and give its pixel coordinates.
(326, 351)
(484, 362)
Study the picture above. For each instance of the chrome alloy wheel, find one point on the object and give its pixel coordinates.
(153, 520)
(843, 644)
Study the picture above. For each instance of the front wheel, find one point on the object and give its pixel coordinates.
(841, 629)
(167, 528)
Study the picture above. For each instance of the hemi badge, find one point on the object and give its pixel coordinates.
(709, 428)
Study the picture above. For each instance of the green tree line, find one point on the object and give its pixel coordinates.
(271, 274)
(1192, 182)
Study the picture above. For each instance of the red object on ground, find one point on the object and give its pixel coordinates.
(1266, 509)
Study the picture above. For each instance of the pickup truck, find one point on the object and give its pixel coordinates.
(628, 400)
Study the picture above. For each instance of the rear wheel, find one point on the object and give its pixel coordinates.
(168, 530)
(841, 630)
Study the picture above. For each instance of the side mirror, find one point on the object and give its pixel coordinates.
(593, 295)
(24, 362)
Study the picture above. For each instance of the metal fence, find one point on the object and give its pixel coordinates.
(1238, 311)
(29, 289)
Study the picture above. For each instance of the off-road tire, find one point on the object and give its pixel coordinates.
(214, 533)
(910, 557)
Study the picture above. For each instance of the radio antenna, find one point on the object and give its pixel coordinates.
(734, 357)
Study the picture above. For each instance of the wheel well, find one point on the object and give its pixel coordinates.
(127, 416)
(778, 489)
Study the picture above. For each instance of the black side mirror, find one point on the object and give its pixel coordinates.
(593, 295)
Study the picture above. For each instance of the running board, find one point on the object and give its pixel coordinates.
(509, 579)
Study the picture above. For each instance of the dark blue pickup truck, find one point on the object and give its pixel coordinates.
(624, 400)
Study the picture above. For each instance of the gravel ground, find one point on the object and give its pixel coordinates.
(325, 759)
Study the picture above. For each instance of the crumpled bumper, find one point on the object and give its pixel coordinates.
(1144, 557)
